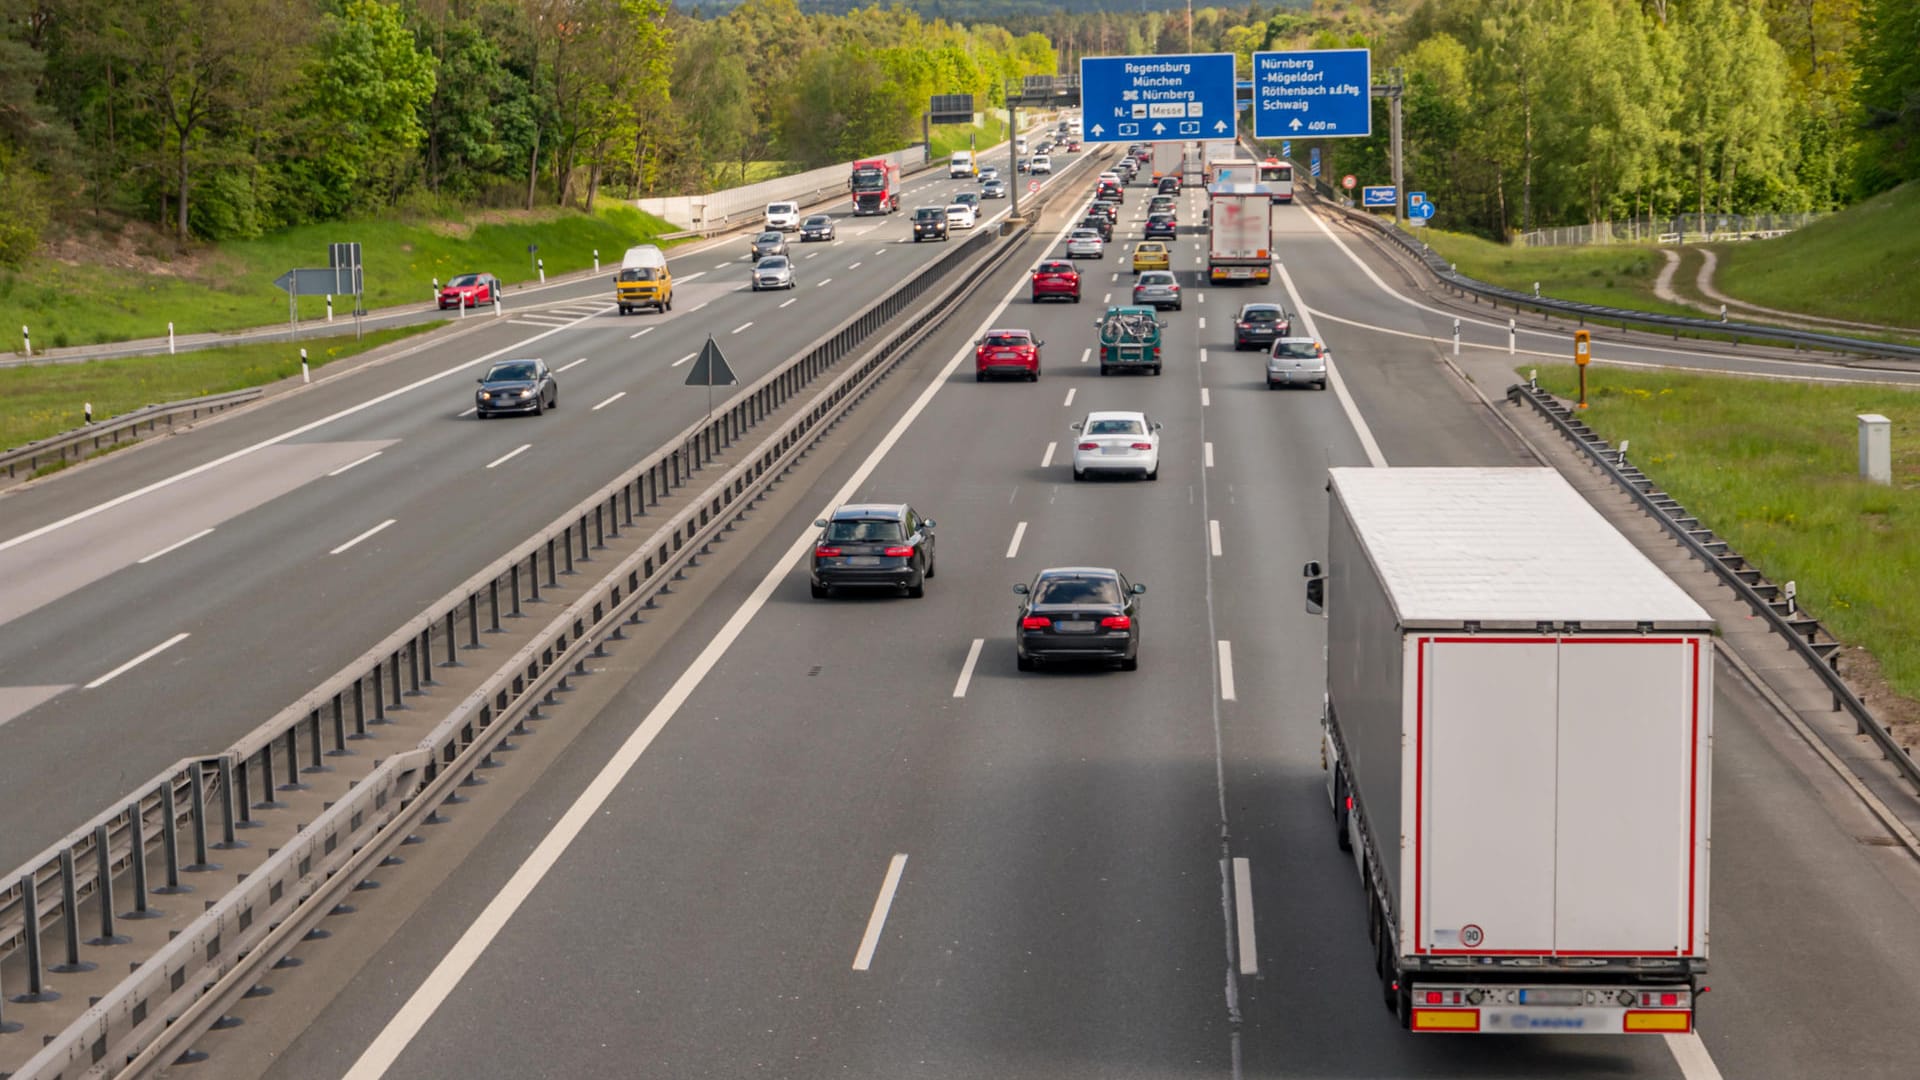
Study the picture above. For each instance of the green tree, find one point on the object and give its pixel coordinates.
(1888, 93)
(365, 93)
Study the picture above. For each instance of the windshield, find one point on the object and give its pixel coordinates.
(869, 179)
(1277, 172)
(1296, 350)
(521, 371)
(1259, 315)
(782, 208)
(847, 531)
(1084, 234)
(927, 214)
(638, 273)
(1156, 277)
(817, 220)
(769, 238)
(1077, 591)
(1056, 268)
(1008, 340)
(773, 262)
(464, 280)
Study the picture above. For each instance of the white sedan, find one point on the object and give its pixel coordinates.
(1117, 442)
(960, 216)
(1085, 243)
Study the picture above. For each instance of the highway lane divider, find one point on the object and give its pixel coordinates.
(294, 817)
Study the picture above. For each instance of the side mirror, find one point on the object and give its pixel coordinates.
(1316, 588)
(1020, 590)
(929, 523)
(820, 523)
(1075, 425)
(1038, 344)
(1156, 425)
(1139, 590)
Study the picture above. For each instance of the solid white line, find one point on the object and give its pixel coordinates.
(1086, 354)
(375, 529)
(1070, 392)
(570, 367)
(644, 331)
(608, 402)
(509, 456)
(177, 545)
(684, 359)
(468, 411)
(1213, 536)
(1206, 398)
(881, 905)
(1367, 442)
(824, 282)
(1019, 531)
(1046, 459)
(1209, 449)
(1243, 916)
(369, 457)
(426, 999)
(136, 661)
(741, 327)
(1226, 671)
(1203, 356)
(1692, 1057)
(788, 300)
(966, 669)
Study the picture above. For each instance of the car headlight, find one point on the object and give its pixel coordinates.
(484, 396)
(526, 393)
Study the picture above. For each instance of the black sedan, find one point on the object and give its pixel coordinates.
(1260, 325)
(516, 386)
(1078, 613)
(873, 545)
(816, 227)
(769, 243)
(1162, 226)
(1098, 223)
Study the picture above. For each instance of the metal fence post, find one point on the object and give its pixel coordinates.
(70, 918)
(103, 888)
(137, 861)
(170, 842)
(37, 991)
(198, 787)
(228, 824)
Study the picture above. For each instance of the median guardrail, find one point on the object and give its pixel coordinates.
(1804, 633)
(121, 430)
(178, 989)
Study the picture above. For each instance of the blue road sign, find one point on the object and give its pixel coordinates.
(1314, 157)
(1152, 98)
(1286, 148)
(1381, 196)
(1423, 211)
(1323, 93)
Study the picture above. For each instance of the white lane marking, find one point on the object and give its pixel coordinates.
(509, 456)
(878, 920)
(1070, 392)
(1203, 356)
(824, 282)
(644, 331)
(724, 265)
(879, 251)
(1046, 459)
(1226, 671)
(1019, 530)
(690, 277)
(1243, 916)
(1203, 322)
(1367, 442)
(137, 661)
(788, 300)
(380, 527)
(569, 367)
(427, 998)
(468, 411)
(1213, 536)
(1086, 354)
(700, 305)
(1107, 299)
(684, 359)
(1202, 297)
(741, 327)
(351, 410)
(855, 266)
(1692, 1057)
(1206, 398)
(966, 669)
(1116, 278)
(608, 402)
(1209, 451)
(370, 457)
(177, 545)
(811, 254)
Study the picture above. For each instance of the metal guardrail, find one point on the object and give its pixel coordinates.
(80, 442)
(1596, 313)
(1804, 633)
(229, 935)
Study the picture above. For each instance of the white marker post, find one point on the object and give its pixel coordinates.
(541, 265)
(306, 376)
(436, 290)
(169, 339)
(329, 307)
(88, 407)
(1456, 337)
(596, 260)
(496, 305)
(26, 340)
(1536, 290)
(1513, 334)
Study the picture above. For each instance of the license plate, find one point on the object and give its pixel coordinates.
(864, 560)
(1114, 449)
(1074, 627)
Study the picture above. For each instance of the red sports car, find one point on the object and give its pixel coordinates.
(1008, 352)
(470, 290)
(1056, 279)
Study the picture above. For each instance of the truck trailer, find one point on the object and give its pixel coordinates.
(1239, 233)
(1167, 159)
(1517, 735)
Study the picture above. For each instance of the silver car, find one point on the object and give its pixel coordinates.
(993, 189)
(773, 272)
(1157, 289)
(1085, 243)
(1297, 361)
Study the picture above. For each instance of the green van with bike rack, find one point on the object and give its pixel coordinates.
(1130, 340)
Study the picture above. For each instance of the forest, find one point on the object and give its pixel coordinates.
(213, 119)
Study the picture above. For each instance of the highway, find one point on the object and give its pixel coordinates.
(171, 598)
(847, 838)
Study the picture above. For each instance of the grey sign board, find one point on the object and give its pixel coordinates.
(321, 281)
(951, 109)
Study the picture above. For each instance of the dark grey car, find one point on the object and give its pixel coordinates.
(516, 386)
(873, 545)
(1078, 613)
(769, 243)
(816, 227)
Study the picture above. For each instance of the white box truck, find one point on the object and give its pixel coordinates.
(1239, 233)
(1517, 733)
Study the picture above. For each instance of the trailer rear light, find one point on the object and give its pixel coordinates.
(1669, 999)
(898, 552)
(1116, 622)
(1446, 1020)
(826, 552)
(1035, 622)
(1657, 1020)
(1435, 997)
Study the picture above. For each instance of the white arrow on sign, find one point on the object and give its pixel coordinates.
(1219, 125)
(1159, 129)
(1295, 125)
(1097, 130)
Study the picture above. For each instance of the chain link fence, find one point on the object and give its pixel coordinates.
(1677, 229)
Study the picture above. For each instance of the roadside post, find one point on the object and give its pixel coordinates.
(1582, 353)
(541, 265)
(26, 340)
(306, 376)
(169, 339)
(1513, 332)
(329, 307)
(596, 260)
(436, 290)
(1456, 337)
(88, 411)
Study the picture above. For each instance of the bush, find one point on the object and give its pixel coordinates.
(25, 201)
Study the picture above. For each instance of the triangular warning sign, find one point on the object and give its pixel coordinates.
(711, 369)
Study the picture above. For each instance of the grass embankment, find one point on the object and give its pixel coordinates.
(1773, 468)
(230, 286)
(47, 399)
(1861, 264)
(1616, 275)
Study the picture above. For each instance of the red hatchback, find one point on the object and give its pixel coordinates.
(1056, 279)
(470, 290)
(1008, 352)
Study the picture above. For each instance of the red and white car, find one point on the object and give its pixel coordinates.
(1056, 279)
(1008, 352)
(469, 290)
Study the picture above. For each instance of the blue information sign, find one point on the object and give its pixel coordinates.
(1158, 98)
(1322, 93)
(1314, 157)
(1382, 196)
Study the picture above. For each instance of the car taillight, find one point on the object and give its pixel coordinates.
(1175, 288)
(898, 552)
(1156, 350)
(1116, 622)
(1143, 446)
(1088, 446)
(826, 552)
(1035, 622)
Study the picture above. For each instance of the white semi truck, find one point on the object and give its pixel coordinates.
(1239, 233)
(1167, 159)
(1517, 734)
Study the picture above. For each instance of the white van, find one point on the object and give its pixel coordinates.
(783, 216)
(960, 165)
(1020, 144)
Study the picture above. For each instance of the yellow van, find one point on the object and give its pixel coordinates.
(644, 280)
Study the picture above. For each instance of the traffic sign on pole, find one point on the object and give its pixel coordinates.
(1378, 197)
(1158, 98)
(1286, 148)
(1314, 158)
(1324, 93)
(1348, 181)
